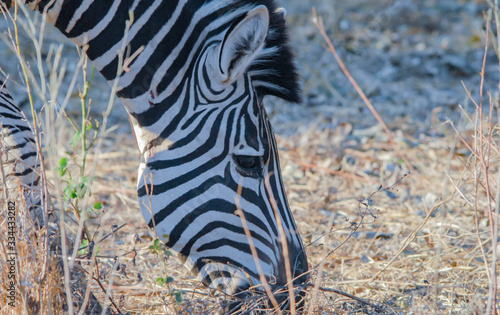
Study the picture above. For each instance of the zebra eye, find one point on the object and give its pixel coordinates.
(247, 162)
(248, 165)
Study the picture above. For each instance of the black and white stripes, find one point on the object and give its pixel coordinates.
(19, 156)
(194, 92)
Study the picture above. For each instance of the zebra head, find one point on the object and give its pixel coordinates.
(210, 180)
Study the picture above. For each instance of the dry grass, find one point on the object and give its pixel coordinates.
(410, 225)
(32, 270)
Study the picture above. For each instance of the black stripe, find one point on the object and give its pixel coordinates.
(207, 280)
(142, 81)
(166, 164)
(243, 247)
(195, 133)
(215, 204)
(201, 62)
(207, 145)
(27, 155)
(186, 50)
(19, 145)
(95, 14)
(252, 134)
(208, 228)
(6, 115)
(16, 128)
(8, 102)
(144, 37)
(202, 261)
(191, 119)
(114, 31)
(219, 207)
(23, 173)
(68, 8)
(150, 116)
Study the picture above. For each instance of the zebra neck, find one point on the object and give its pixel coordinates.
(149, 43)
(151, 50)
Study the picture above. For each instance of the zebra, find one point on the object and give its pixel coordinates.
(209, 179)
(20, 158)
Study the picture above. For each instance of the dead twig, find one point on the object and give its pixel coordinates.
(318, 21)
(353, 297)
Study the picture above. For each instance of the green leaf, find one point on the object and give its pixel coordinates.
(63, 163)
(178, 297)
(97, 206)
(82, 188)
(161, 281)
(75, 139)
(84, 249)
(153, 249)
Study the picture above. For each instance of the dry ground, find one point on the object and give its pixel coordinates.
(404, 220)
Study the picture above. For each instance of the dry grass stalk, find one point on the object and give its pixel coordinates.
(318, 21)
(263, 279)
(284, 243)
(27, 262)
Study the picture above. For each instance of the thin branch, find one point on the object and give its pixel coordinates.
(318, 21)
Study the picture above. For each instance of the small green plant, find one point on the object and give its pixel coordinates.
(77, 184)
(84, 247)
(87, 247)
(161, 281)
(159, 248)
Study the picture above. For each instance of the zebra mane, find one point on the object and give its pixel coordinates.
(274, 71)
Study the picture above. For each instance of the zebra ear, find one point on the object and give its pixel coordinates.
(242, 43)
